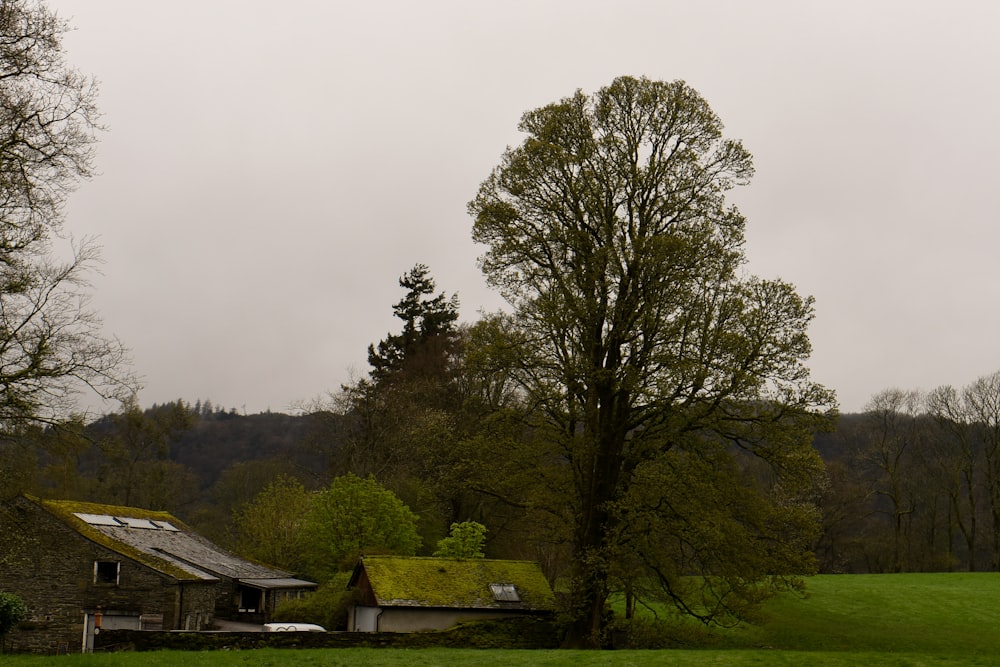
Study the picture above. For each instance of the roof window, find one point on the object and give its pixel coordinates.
(131, 522)
(166, 525)
(98, 519)
(505, 593)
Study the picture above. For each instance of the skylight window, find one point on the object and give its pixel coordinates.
(132, 522)
(505, 593)
(166, 525)
(97, 519)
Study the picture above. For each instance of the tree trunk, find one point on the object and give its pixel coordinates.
(590, 568)
(588, 598)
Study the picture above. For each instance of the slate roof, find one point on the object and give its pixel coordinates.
(463, 583)
(162, 542)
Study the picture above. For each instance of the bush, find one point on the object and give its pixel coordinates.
(327, 606)
(657, 633)
(12, 611)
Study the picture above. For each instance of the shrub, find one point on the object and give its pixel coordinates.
(327, 606)
(12, 611)
(656, 633)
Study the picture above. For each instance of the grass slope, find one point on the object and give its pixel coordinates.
(953, 613)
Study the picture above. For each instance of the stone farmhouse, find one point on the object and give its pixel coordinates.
(409, 594)
(81, 567)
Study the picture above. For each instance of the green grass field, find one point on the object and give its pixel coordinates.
(905, 619)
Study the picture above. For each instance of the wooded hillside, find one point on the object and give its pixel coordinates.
(887, 504)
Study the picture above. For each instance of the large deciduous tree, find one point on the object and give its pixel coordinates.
(51, 345)
(667, 378)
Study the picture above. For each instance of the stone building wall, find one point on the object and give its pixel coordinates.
(51, 567)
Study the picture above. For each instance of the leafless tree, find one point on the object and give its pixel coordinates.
(51, 341)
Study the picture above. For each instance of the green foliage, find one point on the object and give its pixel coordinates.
(327, 606)
(465, 540)
(12, 611)
(645, 632)
(701, 513)
(353, 516)
(268, 528)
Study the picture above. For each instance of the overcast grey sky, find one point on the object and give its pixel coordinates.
(271, 169)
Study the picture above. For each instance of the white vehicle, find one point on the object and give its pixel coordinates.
(293, 627)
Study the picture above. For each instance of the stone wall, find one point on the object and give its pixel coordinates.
(521, 633)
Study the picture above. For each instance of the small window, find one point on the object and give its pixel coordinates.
(505, 593)
(106, 572)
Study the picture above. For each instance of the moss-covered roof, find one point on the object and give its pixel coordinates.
(180, 554)
(453, 582)
(66, 511)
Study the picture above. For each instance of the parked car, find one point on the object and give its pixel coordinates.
(293, 627)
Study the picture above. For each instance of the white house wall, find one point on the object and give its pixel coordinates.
(415, 619)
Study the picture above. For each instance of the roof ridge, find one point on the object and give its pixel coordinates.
(450, 558)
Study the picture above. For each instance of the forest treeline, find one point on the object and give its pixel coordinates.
(911, 484)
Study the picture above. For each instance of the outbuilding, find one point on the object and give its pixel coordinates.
(409, 594)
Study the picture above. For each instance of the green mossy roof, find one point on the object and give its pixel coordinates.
(65, 510)
(455, 582)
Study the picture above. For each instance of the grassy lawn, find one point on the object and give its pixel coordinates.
(501, 658)
(935, 614)
(905, 619)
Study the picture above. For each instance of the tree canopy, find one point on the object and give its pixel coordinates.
(465, 540)
(355, 515)
(268, 527)
(428, 329)
(658, 369)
